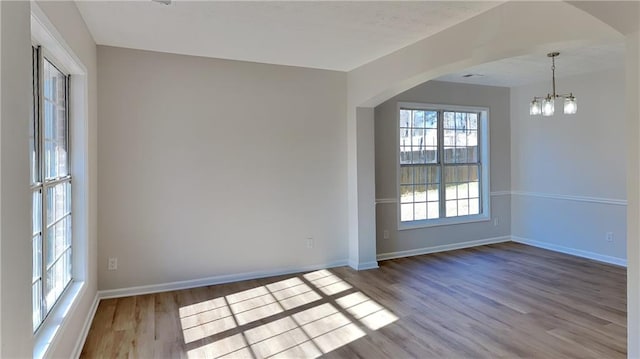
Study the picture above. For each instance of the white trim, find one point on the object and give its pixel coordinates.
(442, 248)
(562, 197)
(571, 251)
(46, 338)
(428, 223)
(45, 33)
(386, 200)
(220, 279)
(85, 328)
(500, 193)
(395, 200)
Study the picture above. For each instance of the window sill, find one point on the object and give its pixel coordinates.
(427, 223)
(45, 336)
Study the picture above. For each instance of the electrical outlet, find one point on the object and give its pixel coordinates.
(496, 221)
(310, 243)
(113, 263)
(608, 237)
(385, 234)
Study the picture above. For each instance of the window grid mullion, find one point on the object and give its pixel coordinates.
(59, 257)
(56, 221)
(441, 187)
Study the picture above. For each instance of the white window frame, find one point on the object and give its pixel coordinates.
(44, 34)
(43, 184)
(484, 149)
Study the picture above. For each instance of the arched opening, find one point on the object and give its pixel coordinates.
(510, 30)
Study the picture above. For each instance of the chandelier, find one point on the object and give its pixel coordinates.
(545, 105)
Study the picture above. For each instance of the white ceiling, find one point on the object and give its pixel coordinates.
(331, 35)
(534, 68)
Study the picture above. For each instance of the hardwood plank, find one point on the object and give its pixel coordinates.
(506, 300)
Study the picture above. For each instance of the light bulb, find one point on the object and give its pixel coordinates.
(547, 106)
(535, 108)
(570, 105)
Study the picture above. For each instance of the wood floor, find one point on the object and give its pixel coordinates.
(505, 300)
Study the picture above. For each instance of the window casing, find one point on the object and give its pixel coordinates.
(443, 165)
(51, 186)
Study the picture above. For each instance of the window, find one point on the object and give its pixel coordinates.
(50, 185)
(443, 165)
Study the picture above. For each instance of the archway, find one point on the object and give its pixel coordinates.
(509, 30)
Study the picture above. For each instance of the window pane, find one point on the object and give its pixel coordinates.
(58, 239)
(472, 154)
(461, 120)
(418, 119)
(406, 175)
(472, 138)
(473, 121)
(463, 207)
(463, 190)
(36, 212)
(66, 273)
(474, 173)
(420, 211)
(449, 121)
(473, 189)
(432, 119)
(405, 155)
(449, 138)
(57, 279)
(405, 118)
(406, 212)
(421, 174)
(449, 173)
(406, 194)
(433, 210)
(420, 193)
(55, 122)
(434, 174)
(451, 191)
(433, 194)
(474, 206)
(58, 202)
(405, 136)
(452, 208)
(36, 249)
(36, 298)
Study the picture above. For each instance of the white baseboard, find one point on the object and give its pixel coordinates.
(85, 327)
(227, 278)
(442, 248)
(575, 252)
(364, 265)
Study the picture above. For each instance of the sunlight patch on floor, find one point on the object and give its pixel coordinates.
(294, 331)
(370, 313)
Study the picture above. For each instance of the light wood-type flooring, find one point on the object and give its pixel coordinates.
(498, 301)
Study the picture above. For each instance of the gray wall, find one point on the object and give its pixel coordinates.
(569, 171)
(211, 167)
(16, 330)
(435, 92)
